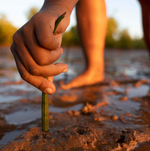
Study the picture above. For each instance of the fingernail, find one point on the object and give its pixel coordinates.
(65, 70)
(49, 90)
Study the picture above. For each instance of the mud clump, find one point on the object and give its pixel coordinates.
(114, 118)
(140, 82)
(124, 98)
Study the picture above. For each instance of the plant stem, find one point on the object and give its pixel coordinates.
(45, 104)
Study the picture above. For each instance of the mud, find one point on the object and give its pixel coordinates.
(79, 132)
(111, 116)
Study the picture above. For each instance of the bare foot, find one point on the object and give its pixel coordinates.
(86, 78)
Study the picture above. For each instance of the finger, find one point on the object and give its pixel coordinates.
(35, 69)
(41, 83)
(49, 70)
(48, 56)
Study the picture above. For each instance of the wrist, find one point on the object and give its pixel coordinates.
(67, 5)
(57, 8)
(52, 9)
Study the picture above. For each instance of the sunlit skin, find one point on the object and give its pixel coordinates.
(92, 29)
(35, 48)
(92, 26)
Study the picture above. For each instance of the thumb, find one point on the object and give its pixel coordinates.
(45, 36)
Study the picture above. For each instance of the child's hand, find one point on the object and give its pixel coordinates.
(35, 47)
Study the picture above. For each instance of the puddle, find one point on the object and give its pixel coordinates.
(138, 92)
(29, 115)
(10, 136)
(4, 99)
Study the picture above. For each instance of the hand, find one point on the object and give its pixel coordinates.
(36, 48)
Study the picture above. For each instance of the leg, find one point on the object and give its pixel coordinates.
(145, 5)
(92, 24)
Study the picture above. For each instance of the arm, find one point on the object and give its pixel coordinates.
(35, 47)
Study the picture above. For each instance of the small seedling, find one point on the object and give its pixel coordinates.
(45, 104)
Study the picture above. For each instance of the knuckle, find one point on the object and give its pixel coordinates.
(43, 41)
(12, 48)
(25, 30)
(36, 17)
(24, 76)
(34, 71)
(44, 61)
(40, 85)
(16, 37)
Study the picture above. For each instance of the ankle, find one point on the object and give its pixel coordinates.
(96, 67)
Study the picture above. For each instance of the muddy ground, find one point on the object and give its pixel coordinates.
(110, 116)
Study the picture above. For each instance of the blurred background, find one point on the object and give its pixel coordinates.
(124, 23)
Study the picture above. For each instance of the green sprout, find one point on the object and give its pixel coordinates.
(45, 104)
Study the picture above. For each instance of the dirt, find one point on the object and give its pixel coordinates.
(111, 116)
(71, 132)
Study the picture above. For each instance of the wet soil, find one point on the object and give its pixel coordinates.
(113, 115)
